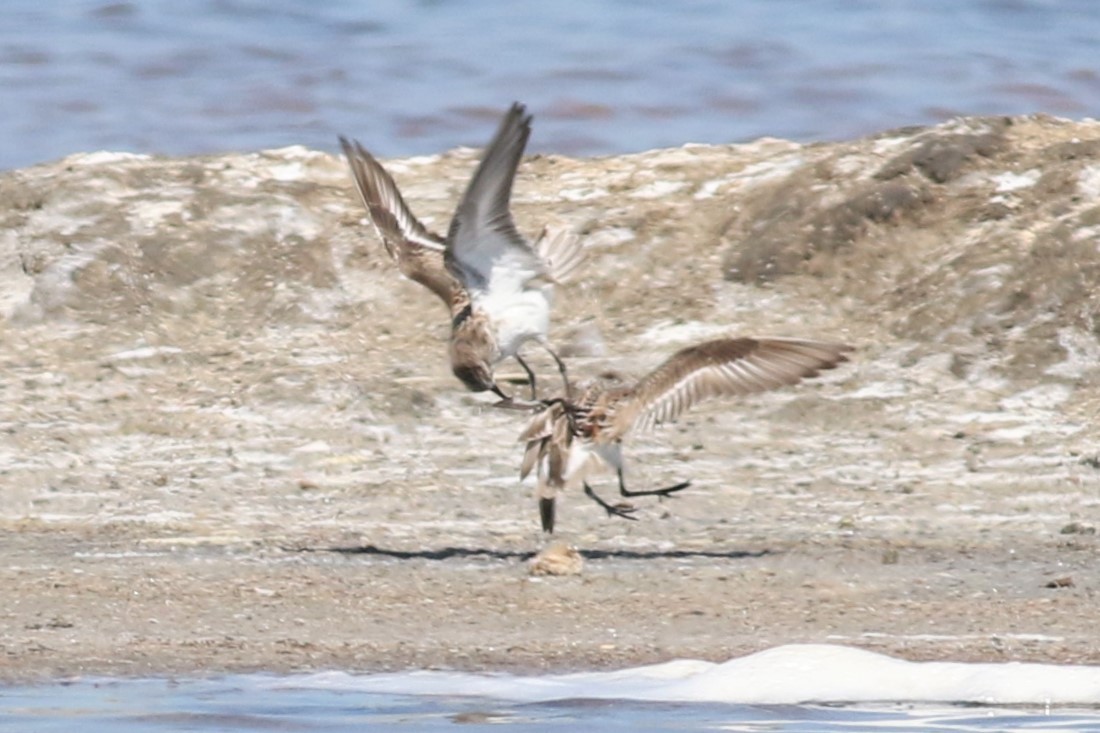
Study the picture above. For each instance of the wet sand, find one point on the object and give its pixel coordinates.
(110, 602)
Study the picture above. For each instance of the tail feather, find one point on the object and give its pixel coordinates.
(531, 455)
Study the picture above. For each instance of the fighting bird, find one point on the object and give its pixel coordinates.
(571, 437)
(497, 285)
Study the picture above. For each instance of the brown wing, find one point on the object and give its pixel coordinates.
(534, 434)
(558, 447)
(724, 367)
(417, 250)
(531, 455)
(538, 431)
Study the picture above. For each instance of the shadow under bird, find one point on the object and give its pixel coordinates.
(573, 437)
(497, 285)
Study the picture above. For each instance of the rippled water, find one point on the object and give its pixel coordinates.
(601, 76)
(752, 693)
(248, 704)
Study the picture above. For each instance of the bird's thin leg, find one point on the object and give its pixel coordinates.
(530, 376)
(561, 369)
(509, 402)
(667, 491)
(546, 514)
(572, 412)
(612, 510)
(500, 393)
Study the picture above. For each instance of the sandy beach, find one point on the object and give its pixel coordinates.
(229, 439)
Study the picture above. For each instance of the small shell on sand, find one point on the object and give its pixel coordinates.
(557, 558)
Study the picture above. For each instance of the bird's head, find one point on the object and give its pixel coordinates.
(476, 375)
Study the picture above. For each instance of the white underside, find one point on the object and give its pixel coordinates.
(517, 317)
(585, 459)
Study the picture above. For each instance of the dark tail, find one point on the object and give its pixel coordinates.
(546, 513)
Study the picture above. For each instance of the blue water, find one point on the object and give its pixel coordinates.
(246, 703)
(601, 76)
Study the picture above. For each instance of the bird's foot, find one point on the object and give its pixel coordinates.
(511, 403)
(622, 509)
(660, 493)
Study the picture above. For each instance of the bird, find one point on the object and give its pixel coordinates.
(570, 438)
(496, 284)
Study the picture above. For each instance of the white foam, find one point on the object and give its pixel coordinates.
(1088, 182)
(587, 193)
(1082, 353)
(669, 332)
(792, 674)
(101, 157)
(658, 189)
(1010, 181)
(145, 352)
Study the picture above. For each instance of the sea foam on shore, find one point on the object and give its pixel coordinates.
(791, 674)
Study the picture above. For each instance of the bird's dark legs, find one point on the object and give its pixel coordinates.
(531, 373)
(571, 411)
(667, 491)
(625, 510)
(561, 370)
(505, 400)
(611, 509)
(530, 376)
(546, 514)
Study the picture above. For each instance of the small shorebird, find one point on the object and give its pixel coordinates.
(497, 285)
(570, 438)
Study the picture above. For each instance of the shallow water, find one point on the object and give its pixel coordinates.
(602, 76)
(249, 703)
(683, 695)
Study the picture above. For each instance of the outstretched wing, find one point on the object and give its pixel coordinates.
(723, 367)
(417, 250)
(484, 250)
(560, 251)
